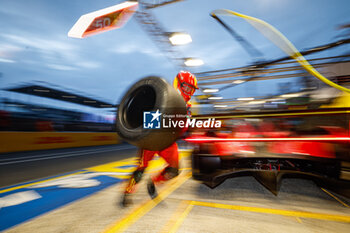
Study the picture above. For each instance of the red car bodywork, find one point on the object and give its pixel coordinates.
(271, 149)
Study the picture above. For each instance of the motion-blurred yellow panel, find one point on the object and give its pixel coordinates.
(342, 101)
(26, 141)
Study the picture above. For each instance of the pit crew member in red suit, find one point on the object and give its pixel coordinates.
(186, 84)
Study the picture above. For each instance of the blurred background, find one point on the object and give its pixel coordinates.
(278, 121)
(53, 83)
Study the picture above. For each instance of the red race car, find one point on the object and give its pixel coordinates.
(269, 146)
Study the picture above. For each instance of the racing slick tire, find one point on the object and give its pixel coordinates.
(149, 95)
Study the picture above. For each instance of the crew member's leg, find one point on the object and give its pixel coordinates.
(171, 156)
(145, 157)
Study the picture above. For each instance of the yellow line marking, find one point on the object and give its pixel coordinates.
(156, 163)
(138, 212)
(181, 219)
(330, 194)
(120, 163)
(298, 219)
(113, 166)
(300, 214)
(39, 182)
(178, 217)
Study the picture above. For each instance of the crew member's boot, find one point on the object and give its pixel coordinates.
(151, 188)
(126, 200)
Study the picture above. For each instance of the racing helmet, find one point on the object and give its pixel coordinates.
(186, 83)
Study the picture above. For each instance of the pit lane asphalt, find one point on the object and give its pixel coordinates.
(185, 205)
(26, 166)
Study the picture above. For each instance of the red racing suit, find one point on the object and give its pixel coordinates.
(169, 154)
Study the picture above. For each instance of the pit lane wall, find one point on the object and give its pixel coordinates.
(27, 141)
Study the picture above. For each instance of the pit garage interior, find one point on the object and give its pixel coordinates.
(72, 187)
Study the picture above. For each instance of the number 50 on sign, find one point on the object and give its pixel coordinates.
(103, 20)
